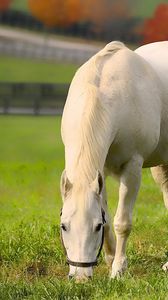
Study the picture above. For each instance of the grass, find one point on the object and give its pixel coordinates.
(32, 262)
(26, 70)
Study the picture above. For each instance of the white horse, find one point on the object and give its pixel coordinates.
(115, 122)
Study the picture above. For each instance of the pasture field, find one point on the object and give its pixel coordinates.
(32, 262)
(29, 70)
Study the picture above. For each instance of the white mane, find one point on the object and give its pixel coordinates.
(94, 136)
(93, 133)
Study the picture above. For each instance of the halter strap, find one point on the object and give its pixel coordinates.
(86, 264)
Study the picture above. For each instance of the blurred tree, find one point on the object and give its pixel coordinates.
(56, 12)
(156, 28)
(4, 4)
(67, 12)
(97, 17)
(100, 11)
(103, 13)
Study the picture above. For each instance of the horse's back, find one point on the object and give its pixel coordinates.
(156, 54)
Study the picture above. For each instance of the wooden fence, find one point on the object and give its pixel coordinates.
(32, 98)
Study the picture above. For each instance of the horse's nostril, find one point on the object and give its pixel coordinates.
(89, 277)
(70, 277)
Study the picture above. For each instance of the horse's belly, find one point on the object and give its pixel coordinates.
(119, 154)
(153, 147)
(115, 161)
(156, 160)
(159, 155)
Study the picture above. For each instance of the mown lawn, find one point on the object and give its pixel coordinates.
(27, 70)
(32, 263)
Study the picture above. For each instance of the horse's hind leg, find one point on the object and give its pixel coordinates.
(109, 240)
(160, 175)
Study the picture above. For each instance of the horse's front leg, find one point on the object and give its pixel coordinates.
(129, 185)
(109, 240)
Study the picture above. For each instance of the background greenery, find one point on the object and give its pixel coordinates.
(27, 70)
(141, 8)
(145, 8)
(20, 5)
(32, 263)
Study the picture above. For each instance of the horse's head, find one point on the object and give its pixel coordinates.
(82, 220)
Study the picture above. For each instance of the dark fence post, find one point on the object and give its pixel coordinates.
(36, 106)
(32, 98)
(6, 105)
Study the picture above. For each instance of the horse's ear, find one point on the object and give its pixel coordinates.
(97, 184)
(65, 185)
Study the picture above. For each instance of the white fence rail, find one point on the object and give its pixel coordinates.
(31, 45)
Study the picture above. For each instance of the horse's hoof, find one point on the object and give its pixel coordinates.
(165, 267)
(118, 268)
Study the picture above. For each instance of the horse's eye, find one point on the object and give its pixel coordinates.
(98, 227)
(63, 227)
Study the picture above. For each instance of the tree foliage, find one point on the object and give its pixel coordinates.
(156, 28)
(56, 12)
(4, 4)
(100, 11)
(67, 12)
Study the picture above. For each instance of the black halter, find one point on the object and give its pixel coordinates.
(86, 264)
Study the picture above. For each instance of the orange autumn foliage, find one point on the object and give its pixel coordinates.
(67, 12)
(100, 11)
(4, 4)
(56, 12)
(156, 28)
